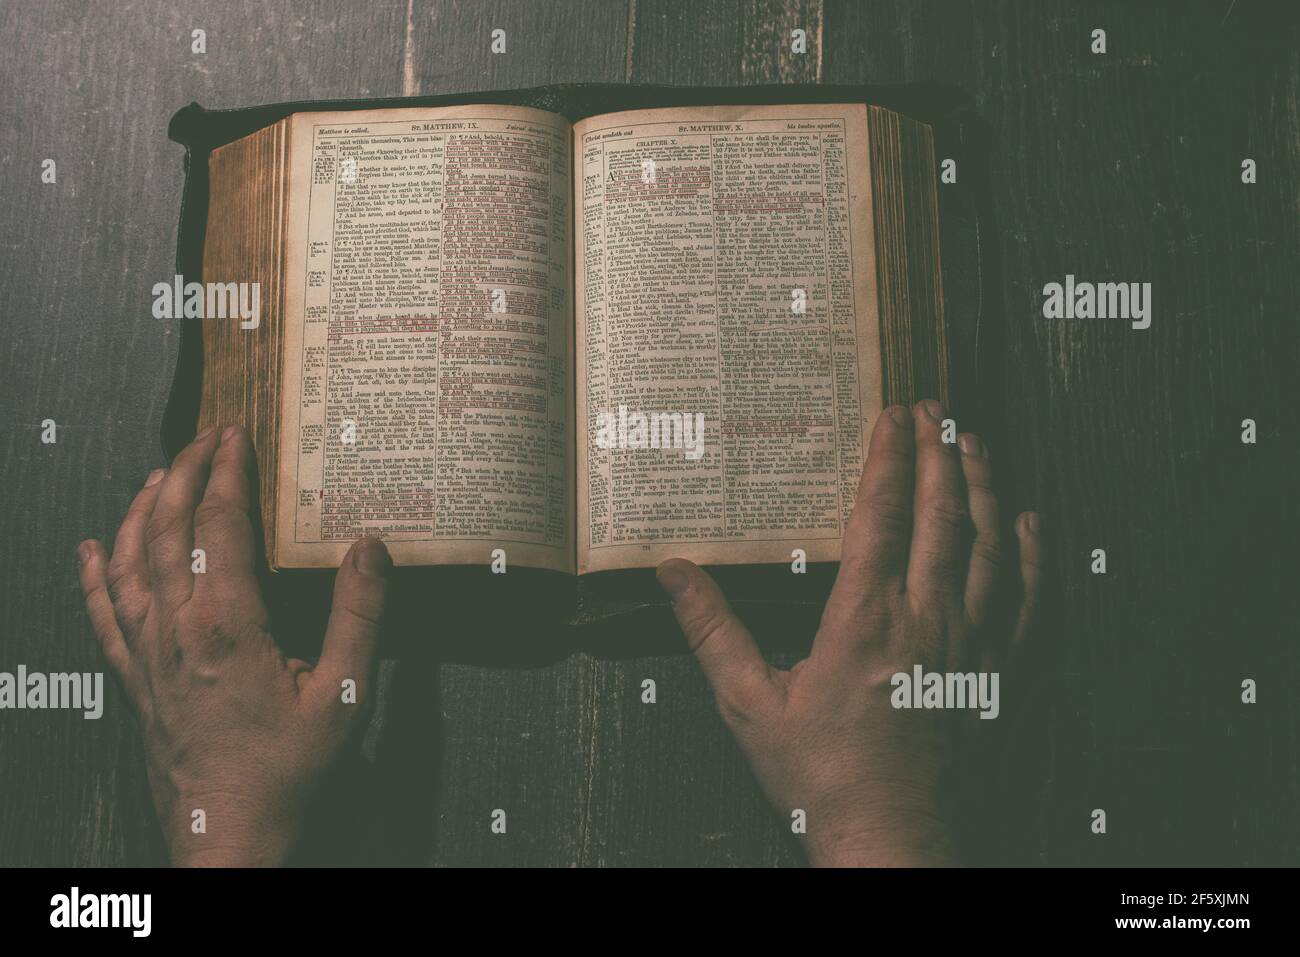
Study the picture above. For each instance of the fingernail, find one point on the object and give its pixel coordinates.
(673, 580)
(371, 558)
(933, 409)
(971, 445)
(900, 415)
(1031, 522)
(84, 551)
(154, 477)
(204, 434)
(230, 433)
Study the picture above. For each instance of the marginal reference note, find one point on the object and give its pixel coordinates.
(687, 295)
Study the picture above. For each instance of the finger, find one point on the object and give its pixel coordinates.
(223, 529)
(352, 634)
(128, 569)
(741, 680)
(873, 556)
(169, 534)
(93, 572)
(1007, 652)
(1028, 532)
(985, 550)
(936, 570)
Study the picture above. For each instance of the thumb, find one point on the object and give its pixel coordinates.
(352, 634)
(741, 680)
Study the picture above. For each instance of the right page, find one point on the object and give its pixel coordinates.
(727, 347)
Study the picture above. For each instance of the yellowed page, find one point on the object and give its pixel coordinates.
(429, 311)
(697, 233)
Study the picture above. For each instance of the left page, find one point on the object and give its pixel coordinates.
(427, 395)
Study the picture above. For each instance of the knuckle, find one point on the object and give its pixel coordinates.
(734, 714)
(130, 599)
(735, 706)
(213, 513)
(987, 550)
(859, 572)
(162, 525)
(204, 623)
(890, 512)
(123, 583)
(942, 568)
(947, 512)
(368, 614)
(705, 627)
(95, 599)
(858, 612)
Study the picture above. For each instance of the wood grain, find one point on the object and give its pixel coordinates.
(93, 87)
(1123, 166)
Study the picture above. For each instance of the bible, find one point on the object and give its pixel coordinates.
(590, 344)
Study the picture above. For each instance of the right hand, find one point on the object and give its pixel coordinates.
(913, 588)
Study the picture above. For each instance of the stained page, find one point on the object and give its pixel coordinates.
(428, 389)
(724, 278)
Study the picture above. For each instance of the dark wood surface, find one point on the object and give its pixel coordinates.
(1123, 166)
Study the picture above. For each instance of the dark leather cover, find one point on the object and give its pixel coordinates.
(534, 616)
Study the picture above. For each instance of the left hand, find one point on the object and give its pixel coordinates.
(231, 727)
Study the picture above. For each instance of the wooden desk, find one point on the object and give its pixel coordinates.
(1122, 166)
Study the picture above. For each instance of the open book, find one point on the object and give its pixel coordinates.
(594, 345)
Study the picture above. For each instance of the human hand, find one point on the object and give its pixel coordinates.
(913, 588)
(231, 727)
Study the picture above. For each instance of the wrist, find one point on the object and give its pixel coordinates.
(231, 838)
(890, 851)
(198, 851)
(905, 840)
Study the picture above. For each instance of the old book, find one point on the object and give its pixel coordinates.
(593, 345)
